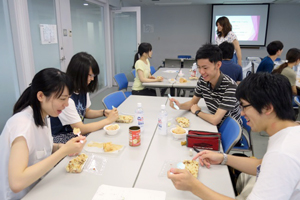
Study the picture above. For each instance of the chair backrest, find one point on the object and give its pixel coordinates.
(184, 56)
(247, 127)
(133, 72)
(113, 99)
(121, 80)
(152, 70)
(231, 132)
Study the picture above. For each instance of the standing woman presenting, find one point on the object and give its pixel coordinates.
(84, 70)
(26, 145)
(142, 68)
(224, 32)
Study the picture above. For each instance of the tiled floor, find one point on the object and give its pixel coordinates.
(259, 140)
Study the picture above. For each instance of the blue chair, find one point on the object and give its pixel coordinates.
(133, 72)
(113, 99)
(246, 146)
(184, 56)
(231, 132)
(122, 82)
(152, 70)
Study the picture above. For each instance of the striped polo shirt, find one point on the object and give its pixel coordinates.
(222, 96)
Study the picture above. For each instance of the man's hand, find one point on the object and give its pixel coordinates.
(208, 158)
(176, 102)
(182, 179)
(194, 108)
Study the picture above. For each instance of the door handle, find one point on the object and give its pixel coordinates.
(63, 58)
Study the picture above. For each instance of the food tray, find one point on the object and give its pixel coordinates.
(73, 169)
(95, 164)
(101, 150)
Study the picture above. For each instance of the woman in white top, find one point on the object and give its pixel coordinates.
(142, 67)
(224, 32)
(26, 145)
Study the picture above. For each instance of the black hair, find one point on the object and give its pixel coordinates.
(211, 52)
(273, 47)
(79, 68)
(263, 89)
(227, 50)
(224, 22)
(143, 48)
(292, 55)
(50, 81)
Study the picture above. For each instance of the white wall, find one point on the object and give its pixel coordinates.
(183, 29)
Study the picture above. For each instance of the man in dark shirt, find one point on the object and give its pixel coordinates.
(228, 67)
(274, 50)
(217, 89)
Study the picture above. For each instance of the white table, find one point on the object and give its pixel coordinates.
(134, 166)
(165, 148)
(120, 170)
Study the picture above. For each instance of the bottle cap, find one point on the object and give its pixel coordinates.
(139, 105)
(163, 107)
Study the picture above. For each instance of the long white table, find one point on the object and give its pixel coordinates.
(134, 166)
(165, 149)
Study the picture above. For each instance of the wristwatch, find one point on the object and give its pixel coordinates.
(197, 112)
(224, 159)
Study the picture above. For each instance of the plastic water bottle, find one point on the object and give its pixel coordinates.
(163, 121)
(139, 116)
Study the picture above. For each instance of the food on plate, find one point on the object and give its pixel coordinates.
(183, 122)
(95, 144)
(76, 164)
(76, 131)
(182, 80)
(125, 119)
(192, 166)
(109, 147)
(193, 78)
(183, 143)
(178, 130)
(112, 127)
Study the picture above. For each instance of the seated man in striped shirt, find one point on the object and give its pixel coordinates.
(217, 89)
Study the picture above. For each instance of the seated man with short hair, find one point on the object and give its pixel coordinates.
(274, 50)
(266, 102)
(228, 67)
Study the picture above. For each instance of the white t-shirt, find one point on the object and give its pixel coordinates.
(279, 176)
(39, 142)
(70, 115)
(230, 37)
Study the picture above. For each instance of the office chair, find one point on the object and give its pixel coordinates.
(246, 146)
(231, 132)
(113, 99)
(122, 82)
(184, 56)
(152, 70)
(133, 72)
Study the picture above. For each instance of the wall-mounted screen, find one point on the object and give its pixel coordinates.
(249, 22)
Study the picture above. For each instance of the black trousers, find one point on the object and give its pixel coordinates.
(144, 92)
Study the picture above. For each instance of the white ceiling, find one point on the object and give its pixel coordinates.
(193, 2)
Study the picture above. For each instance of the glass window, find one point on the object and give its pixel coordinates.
(9, 85)
(88, 33)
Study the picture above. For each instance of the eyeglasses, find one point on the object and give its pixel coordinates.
(92, 75)
(243, 107)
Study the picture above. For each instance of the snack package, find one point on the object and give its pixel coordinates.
(192, 166)
(76, 164)
(183, 122)
(124, 119)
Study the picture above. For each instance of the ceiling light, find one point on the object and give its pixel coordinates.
(85, 4)
(172, 3)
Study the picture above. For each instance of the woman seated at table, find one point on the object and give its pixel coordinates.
(286, 69)
(84, 70)
(142, 68)
(26, 145)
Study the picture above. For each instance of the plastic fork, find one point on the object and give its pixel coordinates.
(175, 105)
(81, 141)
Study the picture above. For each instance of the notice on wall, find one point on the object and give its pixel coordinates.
(48, 33)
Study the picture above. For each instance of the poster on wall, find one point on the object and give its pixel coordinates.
(48, 33)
